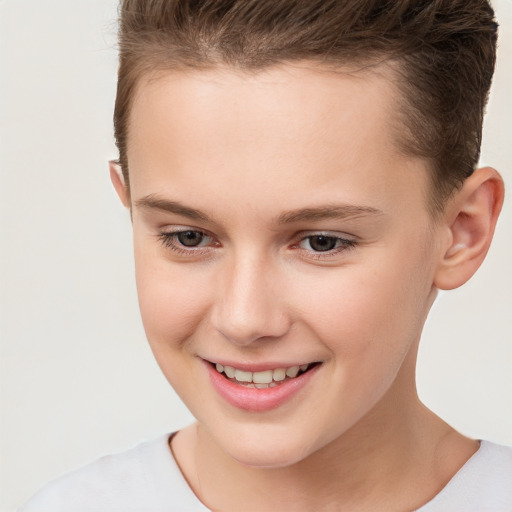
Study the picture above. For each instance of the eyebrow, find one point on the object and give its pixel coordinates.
(338, 212)
(153, 202)
(313, 214)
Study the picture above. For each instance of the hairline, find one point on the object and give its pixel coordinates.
(385, 65)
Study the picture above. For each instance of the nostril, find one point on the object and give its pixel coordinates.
(248, 308)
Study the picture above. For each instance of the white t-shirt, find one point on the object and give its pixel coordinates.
(147, 479)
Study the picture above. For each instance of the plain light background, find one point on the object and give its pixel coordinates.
(77, 378)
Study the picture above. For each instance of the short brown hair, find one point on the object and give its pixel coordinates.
(444, 51)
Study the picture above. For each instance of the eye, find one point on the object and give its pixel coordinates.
(320, 243)
(186, 240)
(190, 238)
(324, 244)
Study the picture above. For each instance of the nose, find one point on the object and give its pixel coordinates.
(250, 303)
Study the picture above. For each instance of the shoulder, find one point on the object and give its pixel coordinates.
(495, 462)
(483, 484)
(145, 478)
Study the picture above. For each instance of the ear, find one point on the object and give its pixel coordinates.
(470, 219)
(117, 178)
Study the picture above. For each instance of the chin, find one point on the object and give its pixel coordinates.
(265, 449)
(264, 459)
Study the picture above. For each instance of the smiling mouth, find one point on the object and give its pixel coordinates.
(263, 379)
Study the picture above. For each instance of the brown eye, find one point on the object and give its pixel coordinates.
(322, 243)
(190, 238)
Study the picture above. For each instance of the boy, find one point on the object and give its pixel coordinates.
(301, 179)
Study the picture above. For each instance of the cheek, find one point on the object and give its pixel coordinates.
(172, 298)
(367, 312)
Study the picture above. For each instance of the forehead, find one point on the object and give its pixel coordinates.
(292, 126)
(301, 98)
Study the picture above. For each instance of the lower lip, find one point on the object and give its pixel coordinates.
(258, 400)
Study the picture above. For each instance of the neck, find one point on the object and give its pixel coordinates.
(376, 465)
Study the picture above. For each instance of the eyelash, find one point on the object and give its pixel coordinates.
(169, 240)
(341, 245)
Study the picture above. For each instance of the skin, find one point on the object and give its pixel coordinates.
(246, 150)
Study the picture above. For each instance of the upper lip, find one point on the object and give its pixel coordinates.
(257, 367)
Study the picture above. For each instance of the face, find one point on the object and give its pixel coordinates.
(276, 227)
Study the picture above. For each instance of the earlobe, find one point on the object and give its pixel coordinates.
(471, 218)
(116, 176)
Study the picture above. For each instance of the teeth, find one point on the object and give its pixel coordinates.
(242, 376)
(264, 379)
(229, 371)
(292, 371)
(279, 374)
